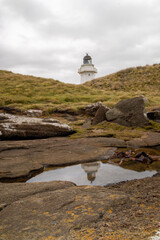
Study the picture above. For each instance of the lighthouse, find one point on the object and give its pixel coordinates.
(87, 69)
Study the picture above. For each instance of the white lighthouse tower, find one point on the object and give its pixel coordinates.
(87, 69)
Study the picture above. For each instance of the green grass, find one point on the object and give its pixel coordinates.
(34, 92)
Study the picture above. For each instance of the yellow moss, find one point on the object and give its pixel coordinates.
(47, 213)
(112, 196)
(110, 211)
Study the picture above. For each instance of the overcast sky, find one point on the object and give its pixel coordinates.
(49, 38)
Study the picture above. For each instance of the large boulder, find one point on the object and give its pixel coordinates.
(22, 127)
(129, 112)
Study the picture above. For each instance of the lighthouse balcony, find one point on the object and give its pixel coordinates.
(87, 68)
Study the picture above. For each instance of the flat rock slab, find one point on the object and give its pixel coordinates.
(20, 159)
(147, 140)
(63, 211)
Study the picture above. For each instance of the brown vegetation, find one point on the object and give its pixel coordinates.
(34, 92)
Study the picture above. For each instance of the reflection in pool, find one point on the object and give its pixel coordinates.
(94, 173)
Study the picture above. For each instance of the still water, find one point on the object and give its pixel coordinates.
(94, 173)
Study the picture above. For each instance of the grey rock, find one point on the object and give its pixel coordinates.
(22, 127)
(33, 113)
(62, 211)
(100, 115)
(147, 140)
(50, 120)
(20, 159)
(91, 109)
(130, 113)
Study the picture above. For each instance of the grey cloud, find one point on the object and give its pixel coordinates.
(118, 34)
(30, 10)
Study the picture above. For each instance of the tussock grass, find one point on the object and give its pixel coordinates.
(131, 79)
(34, 92)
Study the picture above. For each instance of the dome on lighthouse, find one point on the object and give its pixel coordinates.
(87, 59)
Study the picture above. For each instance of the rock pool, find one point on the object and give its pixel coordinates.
(93, 173)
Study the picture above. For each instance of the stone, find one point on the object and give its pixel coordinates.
(87, 123)
(129, 112)
(50, 120)
(22, 159)
(60, 210)
(145, 99)
(100, 115)
(154, 115)
(91, 109)
(33, 113)
(22, 127)
(147, 140)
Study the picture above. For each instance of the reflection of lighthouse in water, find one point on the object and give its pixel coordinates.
(91, 169)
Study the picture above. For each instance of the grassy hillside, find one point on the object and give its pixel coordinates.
(34, 92)
(137, 78)
(28, 91)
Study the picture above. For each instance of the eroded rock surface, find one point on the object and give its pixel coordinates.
(22, 127)
(20, 158)
(63, 211)
(147, 140)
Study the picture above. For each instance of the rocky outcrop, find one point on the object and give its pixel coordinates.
(100, 115)
(21, 159)
(96, 110)
(63, 211)
(130, 113)
(91, 109)
(21, 127)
